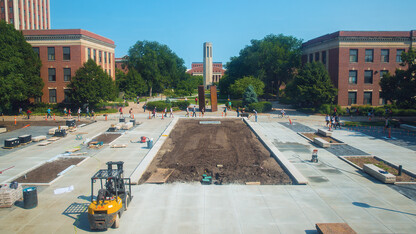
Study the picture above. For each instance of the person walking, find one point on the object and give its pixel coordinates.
(283, 113)
(121, 111)
(88, 112)
(28, 112)
(187, 112)
(203, 111)
(79, 113)
(333, 122)
(196, 100)
(337, 122)
(131, 112)
(49, 113)
(65, 112)
(194, 112)
(20, 111)
(225, 112)
(171, 112)
(238, 111)
(93, 114)
(255, 114)
(229, 104)
(327, 119)
(154, 113)
(69, 113)
(144, 107)
(166, 112)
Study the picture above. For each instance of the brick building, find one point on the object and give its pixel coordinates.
(198, 70)
(63, 52)
(121, 64)
(26, 14)
(356, 61)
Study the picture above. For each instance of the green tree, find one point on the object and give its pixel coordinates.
(19, 68)
(189, 84)
(311, 87)
(249, 96)
(239, 87)
(157, 64)
(272, 59)
(132, 84)
(401, 87)
(91, 85)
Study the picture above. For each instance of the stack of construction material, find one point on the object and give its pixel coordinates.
(127, 126)
(52, 131)
(8, 196)
(11, 143)
(39, 138)
(25, 139)
(70, 123)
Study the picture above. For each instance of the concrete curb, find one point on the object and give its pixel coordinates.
(279, 157)
(144, 164)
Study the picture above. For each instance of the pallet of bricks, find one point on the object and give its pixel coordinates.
(10, 194)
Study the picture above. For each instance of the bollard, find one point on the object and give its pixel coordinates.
(15, 120)
(400, 170)
(149, 115)
(163, 114)
(105, 117)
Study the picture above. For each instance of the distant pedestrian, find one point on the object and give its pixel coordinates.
(238, 111)
(255, 114)
(166, 112)
(171, 112)
(28, 112)
(131, 112)
(225, 112)
(138, 101)
(337, 122)
(327, 120)
(65, 112)
(20, 111)
(187, 112)
(194, 112)
(154, 113)
(79, 113)
(203, 111)
(121, 112)
(283, 113)
(333, 122)
(206, 103)
(196, 100)
(93, 113)
(49, 113)
(348, 112)
(69, 113)
(386, 124)
(144, 107)
(229, 105)
(87, 110)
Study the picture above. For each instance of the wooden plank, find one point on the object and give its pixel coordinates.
(44, 143)
(53, 139)
(253, 183)
(72, 150)
(160, 176)
(119, 146)
(334, 228)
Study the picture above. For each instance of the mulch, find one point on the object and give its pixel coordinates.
(106, 138)
(230, 152)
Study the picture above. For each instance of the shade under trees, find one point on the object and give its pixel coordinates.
(311, 87)
(91, 85)
(158, 65)
(400, 88)
(19, 69)
(272, 59)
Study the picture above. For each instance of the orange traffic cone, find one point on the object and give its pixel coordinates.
(149, 115)
(53, 117)
(46, 117)
(15, 120)
(290, 121)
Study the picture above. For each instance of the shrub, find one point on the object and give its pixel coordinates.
(236, 103)
(249, 96)
(379, 112)
(181, 104)
(307, 110)
(407, 112)
(160, 105)
(260, 107)
(328, 109)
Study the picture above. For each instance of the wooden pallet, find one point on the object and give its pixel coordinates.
(160, 176)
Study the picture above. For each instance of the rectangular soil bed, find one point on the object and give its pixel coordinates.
(48, 171)
(107, 138)
(229, 152)
(360, 161)
(312, 136)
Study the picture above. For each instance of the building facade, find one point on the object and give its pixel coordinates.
(121, 63)
(26, 14)
(357, 60)
(198, 70)
(63, 52)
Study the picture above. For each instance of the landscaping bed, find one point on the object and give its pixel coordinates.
(106, 138)
(312, 136)
(228, 151)
(48, 171)
(360, 161)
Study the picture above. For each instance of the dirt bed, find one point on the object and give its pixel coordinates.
(107, 138)
(229, 151)
(360, 161)
(312, 136)
(9, 125)
(48, 171)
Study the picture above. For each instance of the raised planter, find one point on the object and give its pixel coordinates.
(324, 132)
(321, 142)
(379, 174)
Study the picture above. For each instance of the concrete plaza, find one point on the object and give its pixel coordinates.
(336, 192)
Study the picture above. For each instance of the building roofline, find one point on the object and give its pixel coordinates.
(63, 32)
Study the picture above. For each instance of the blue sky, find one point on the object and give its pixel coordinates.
(184, 25)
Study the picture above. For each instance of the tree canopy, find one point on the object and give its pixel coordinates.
(311, 87)
(19, 68)
(91, 85)
(401, 87)
(158, 65)
(272, 59)
(249, 96)
(239, 87)
(132, 83)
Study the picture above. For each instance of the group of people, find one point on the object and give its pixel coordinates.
(332, 122)
(194, 112)
(165, 113)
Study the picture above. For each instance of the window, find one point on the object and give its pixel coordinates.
(94, 54)
(51, 74)
(352, 98)
(67, 53)
(368, 98)
(324, 57)
(51, 53)
(352, 77)
(89, 53)
(38, 99)
(317, 56)
(100, 58)
(67, 92)
(381, 100)
(11, 21)
(105, 57)
(399, 55)
(311, 58)
(67, 74)
(353, 55)
(36, 50)
(52, 95)
(369, 56)
(382, 73)
(11, 9)
(368, 77)
(385, 56)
